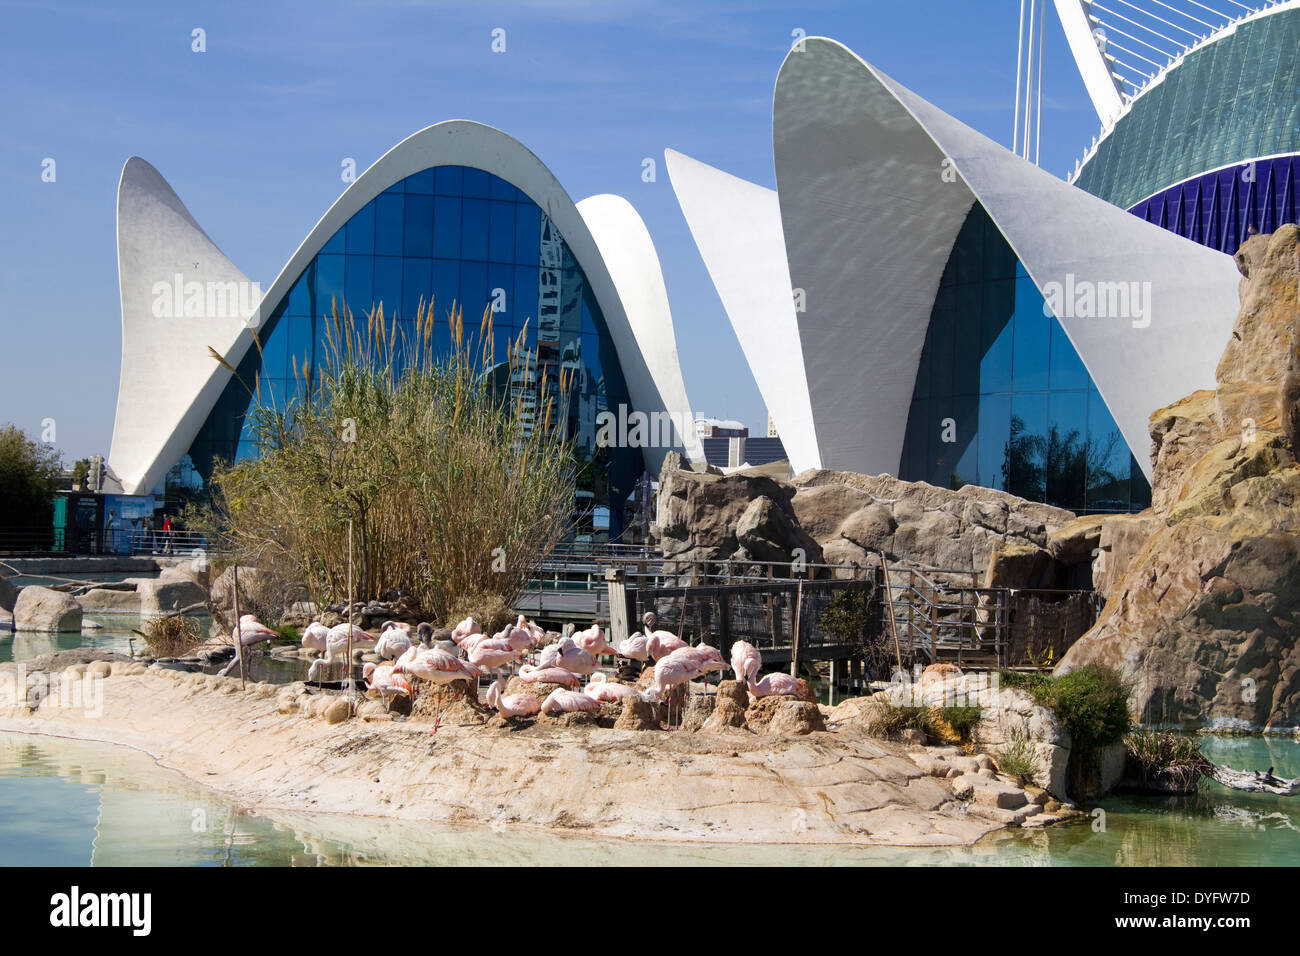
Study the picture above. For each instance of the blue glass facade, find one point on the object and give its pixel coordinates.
(446, 234)
(1002, 398)
(1230, 102)
(1216, 209)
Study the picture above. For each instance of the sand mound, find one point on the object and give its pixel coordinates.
(824, 788)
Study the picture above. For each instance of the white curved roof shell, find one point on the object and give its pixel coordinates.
(158, 421)
(874, 184)
(737, 226)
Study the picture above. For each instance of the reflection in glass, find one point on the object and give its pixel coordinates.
(452, 235)
(1002, 398)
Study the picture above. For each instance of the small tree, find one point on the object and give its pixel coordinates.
(29, 476)
(454, 485)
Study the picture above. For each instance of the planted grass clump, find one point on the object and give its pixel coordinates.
(173, 636)
(888, 720)
(455, 469)
(952, 725)
(1018, 759)
(1166, 762)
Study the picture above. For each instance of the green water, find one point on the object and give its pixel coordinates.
(65, 802)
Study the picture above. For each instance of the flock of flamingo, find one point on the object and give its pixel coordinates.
(520, 649)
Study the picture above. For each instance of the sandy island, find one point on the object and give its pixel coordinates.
(834, 787)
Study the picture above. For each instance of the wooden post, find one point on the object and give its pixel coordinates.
(347, 661)
(889, 603)
(619, 613)
(794, 649)
(239, 629)
(831, 699)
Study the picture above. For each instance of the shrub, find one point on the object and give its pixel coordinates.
(888, 720)
(1018, 759)
(173, 636)
(960, 720)
(1175, 757)
(1092, 704)
(1031, 681)
(456, 471)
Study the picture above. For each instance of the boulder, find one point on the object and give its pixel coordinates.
(854, 517)
(712, 517)
(1015, 564)
(1075, 541)
(104, 600)
(41, 609)
(1203, 605)
(8, 593)
(1010, 717)
(638, 714)
(165, 596)
(796, 717)
(699, 708)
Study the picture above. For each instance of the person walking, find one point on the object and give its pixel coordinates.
(167, 534)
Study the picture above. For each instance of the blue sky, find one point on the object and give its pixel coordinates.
(251, 134)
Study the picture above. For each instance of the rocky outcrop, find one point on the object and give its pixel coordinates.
(41, 609)
(708, 517)
(1203, 590)
(843, 518)
(854, 517)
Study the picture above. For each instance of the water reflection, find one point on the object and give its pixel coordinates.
(66, 802)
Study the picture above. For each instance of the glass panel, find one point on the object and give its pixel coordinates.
(476, 183)
(474, 229)
(388, 224)
(329, 282)
(1032, 337)
(388, 284)
(528, 221)
(448, 181)
(419, 226)
(421, 182)
(360, 283)
(446, 227)
(361, 231)
(417, 285)
(501, 240)
(1067, 369)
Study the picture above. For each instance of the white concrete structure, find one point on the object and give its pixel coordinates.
(737, 226)
(159, 414)
(874, 184)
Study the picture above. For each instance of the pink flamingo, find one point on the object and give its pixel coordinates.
(775, 684)
(532, 627)
(670, 673)
(568, 702)
(549, 655)
(706, 657)
(592, 641)
(745, 660)
(511, 705)
(491, 654)
(574, 658)
(662, 643)
(437, 667)
(548, 675)
(464, 629)
(602, 689)
(382, 680)
(314, 636)
(394, 641)
(635, 648)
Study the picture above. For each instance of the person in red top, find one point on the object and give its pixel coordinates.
(167, 534)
